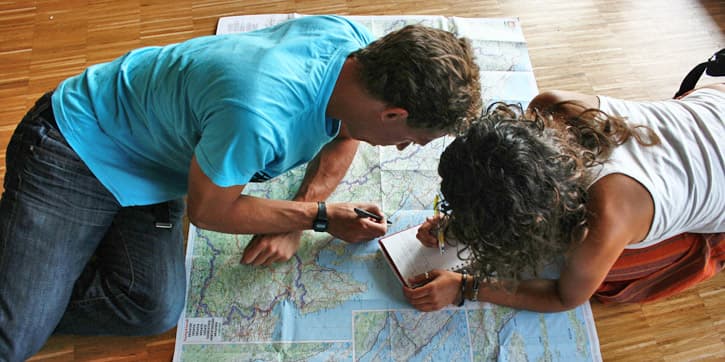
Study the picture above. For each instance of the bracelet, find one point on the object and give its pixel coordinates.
(474, 296)
(472, 291)
(463, 289)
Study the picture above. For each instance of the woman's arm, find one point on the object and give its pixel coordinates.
(621, 211)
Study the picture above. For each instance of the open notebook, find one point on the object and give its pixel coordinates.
(408, 257)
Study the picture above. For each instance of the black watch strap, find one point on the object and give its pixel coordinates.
(320, 223)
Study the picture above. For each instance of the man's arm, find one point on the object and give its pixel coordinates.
(323, 175)
(225, 209)
(326, 170)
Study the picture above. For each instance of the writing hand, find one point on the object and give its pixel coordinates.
(427, 232)
(345, 224)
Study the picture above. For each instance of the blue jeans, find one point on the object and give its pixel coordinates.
(72, 260)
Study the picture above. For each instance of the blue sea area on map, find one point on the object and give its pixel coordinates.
(449, 342)
(383, 292)
(525, 329)
(336, 352)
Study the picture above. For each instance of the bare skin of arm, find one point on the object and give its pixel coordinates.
(621, 212)
(225, 209)
(322, 176)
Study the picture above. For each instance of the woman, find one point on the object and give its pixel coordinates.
(630, 194)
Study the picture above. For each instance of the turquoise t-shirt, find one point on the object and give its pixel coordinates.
(249, 106)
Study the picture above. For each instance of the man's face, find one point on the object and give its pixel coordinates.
(397, 133)
(388, 129)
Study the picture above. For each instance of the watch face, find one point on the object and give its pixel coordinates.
(320, 222)
(320, 225)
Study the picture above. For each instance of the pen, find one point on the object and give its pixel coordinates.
(439, 231)
(364, 213)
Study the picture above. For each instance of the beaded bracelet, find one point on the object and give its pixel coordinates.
(463, 289)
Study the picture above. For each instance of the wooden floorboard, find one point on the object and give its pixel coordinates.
(631, 49)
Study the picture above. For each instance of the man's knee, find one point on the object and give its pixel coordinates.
(158, 313)
(19, 340)
(160, 320)
(150, 311)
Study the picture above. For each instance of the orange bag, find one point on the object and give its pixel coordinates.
(663, 269)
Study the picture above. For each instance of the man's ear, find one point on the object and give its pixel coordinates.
(394, 114)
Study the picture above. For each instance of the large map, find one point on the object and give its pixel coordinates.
(335, 301)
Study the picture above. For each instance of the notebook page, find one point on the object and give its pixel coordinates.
(412, 258)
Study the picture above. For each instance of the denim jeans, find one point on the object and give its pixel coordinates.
(72, 260)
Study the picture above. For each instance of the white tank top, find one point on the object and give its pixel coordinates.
(685, 174)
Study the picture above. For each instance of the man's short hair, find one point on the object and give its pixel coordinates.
(430, 73)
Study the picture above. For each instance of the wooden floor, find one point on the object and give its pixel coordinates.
(632, 49)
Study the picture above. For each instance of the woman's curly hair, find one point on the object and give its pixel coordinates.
(515, 186)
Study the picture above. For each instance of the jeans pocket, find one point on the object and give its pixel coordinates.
(52, 149)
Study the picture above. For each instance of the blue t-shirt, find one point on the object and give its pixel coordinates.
(249, 106)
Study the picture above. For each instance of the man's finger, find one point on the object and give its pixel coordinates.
(263, 258)
(275, 258)
(251, 253)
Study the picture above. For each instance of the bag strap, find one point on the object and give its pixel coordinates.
(715, 66)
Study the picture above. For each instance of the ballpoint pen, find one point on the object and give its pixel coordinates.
(364, 213)
(439, 229)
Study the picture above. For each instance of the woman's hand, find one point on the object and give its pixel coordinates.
(439, 288)
(428, 231)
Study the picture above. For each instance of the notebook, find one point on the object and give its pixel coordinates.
(408, 257)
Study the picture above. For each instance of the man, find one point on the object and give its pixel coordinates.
(90, 220)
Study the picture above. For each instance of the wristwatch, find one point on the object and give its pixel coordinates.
(320, 222)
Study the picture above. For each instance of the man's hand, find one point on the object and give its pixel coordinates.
(346, 225)
(271, 248)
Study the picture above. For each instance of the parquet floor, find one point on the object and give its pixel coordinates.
(630, 49)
